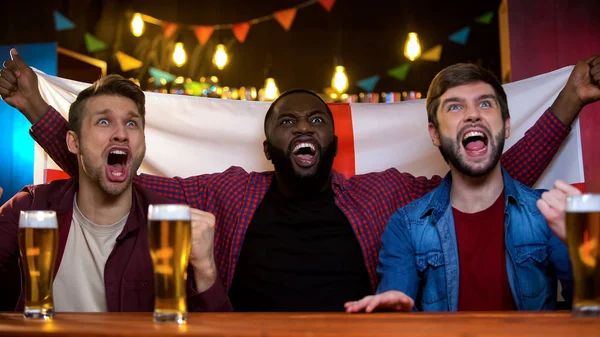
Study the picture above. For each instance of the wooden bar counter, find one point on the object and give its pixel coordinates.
(513, 324)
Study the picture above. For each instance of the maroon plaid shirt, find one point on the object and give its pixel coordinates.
(367, 200)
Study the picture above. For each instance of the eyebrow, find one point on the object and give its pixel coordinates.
(487, 96)
(130, 114)
(102, 112)
(311, 112)
(458, 100)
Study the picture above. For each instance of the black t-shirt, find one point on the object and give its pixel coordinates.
(299, 254)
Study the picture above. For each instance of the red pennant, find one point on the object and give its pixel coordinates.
(285, 17)
(240, 30)
(327, 4)
(169, 29)
(203, 33)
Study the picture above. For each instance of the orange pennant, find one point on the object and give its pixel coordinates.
(169, 29)
(285, 17)
(327, 4)
(240, 30)
(203, 33)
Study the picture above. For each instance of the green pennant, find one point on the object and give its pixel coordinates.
(94, 44)
(158, 74)
(400, 72)
(485, 18)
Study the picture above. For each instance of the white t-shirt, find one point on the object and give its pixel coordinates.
(79, 282)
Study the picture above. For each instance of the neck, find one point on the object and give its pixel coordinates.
(475, 194)
(100, 207)
(300, 187)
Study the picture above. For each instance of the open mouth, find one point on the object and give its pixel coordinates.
(475, 143)
(116, 164)
(305, 154)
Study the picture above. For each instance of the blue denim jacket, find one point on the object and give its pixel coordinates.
(419, 255)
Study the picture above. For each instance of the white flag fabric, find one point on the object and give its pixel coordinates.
(188, 135)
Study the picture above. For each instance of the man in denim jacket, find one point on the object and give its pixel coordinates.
(478, 241)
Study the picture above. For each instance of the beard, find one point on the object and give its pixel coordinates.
(450, 150)
(97, 174)
(303, 183)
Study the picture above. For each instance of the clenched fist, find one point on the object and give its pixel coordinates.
(202, 256)
(19, 88)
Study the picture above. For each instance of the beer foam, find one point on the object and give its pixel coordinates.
(38, 219)
(583, 203)
(169, 212)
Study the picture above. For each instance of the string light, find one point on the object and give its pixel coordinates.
(412, 49)
(339, 81)
(220, 58)
(271, 90)
(137, 25)
(179, 55)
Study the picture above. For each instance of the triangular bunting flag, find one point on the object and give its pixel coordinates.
(485, 18)
(158, 74)
(327, 4)
(240, 30)
(368, 83)
(127, 62)
(400, 72)
(94, 44)
(203, 33)
(61, 22)
(461, 36)
(285, 17)
(432, 54)
(169, 28)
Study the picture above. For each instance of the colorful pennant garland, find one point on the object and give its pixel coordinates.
(400, 72)
(461, 36)
(127, 62)
(327, 4)
(240, 30)
(94, 44)
(61, 22)
(486, 18)
(160, 74)
(169, 28)
(203, 33)
(368, 83)
(285, 17)
(434, 54)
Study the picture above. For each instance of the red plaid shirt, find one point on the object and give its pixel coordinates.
(367, 200)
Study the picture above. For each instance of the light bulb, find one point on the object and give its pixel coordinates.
(412, 50)
(137, 25)
(271, 90)
(220, 58)
(179, 56)
(339, 82)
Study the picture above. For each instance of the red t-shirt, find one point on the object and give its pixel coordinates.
(482, 262)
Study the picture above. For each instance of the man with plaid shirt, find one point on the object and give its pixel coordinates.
(303, 237)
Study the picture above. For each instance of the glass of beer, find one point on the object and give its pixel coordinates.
(170, 242)
(583, 238)
(38, 246)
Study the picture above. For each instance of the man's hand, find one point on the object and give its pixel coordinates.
(391, 299)
(1, 190)
(582, 88)
(19, 88)
(202, 255)
(552, 206)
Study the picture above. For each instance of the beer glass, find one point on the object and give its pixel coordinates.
(170, 242)
(583, 238)
(38, 245)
